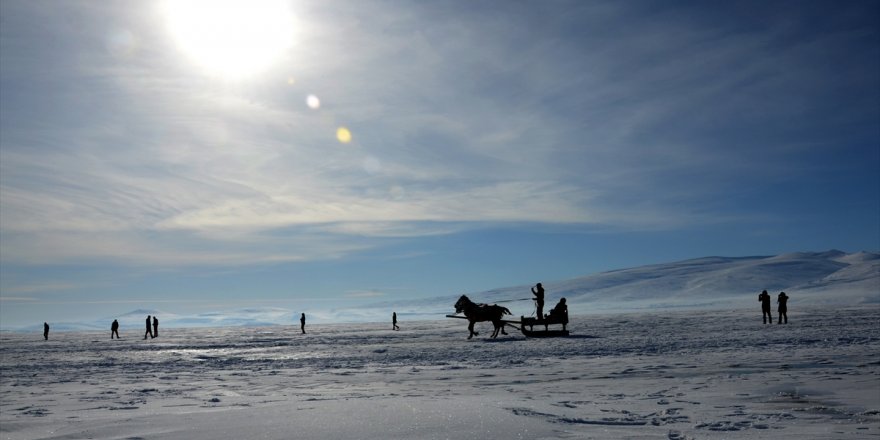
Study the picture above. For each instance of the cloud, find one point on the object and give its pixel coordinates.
(17, 299)
(604, 115)
(364, 294)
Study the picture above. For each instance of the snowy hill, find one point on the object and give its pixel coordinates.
(831, 278)
(809, 278)
(812, 278)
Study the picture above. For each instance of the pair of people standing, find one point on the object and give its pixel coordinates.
(782, 307)
(154, 331)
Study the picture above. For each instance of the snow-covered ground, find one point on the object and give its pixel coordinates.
(670, 375)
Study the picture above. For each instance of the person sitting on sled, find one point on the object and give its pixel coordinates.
(559, 313)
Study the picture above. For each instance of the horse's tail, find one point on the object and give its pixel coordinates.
(505, 311)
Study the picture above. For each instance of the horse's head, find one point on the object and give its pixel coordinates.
(461, 303)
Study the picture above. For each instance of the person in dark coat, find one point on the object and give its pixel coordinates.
(149, 331)
(539, 300)
(766, 314)
(46, 331)
(394, 321)
(155, 326)
(302, 323)
(781, 301)
(114, 329)
(559, 313)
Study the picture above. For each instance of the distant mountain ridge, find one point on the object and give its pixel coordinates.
(831, 278)
(810, 278)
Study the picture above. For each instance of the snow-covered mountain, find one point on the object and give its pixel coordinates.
(830, 278)
(134, 320)
(809, 278)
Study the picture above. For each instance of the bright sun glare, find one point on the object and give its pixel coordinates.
(231, 38)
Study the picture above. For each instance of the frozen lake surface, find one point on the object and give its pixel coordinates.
(671, 375)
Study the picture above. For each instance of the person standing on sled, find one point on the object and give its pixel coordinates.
(539, 300)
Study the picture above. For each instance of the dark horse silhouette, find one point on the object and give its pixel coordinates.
(482, 312)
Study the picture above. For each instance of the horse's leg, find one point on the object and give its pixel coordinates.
(499, 327)
(471, 329)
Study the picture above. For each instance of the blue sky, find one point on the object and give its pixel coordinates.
(492, 144)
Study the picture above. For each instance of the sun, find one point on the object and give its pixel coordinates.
(233, 39)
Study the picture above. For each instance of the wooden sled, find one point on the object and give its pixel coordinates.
(549, 320)
(532, 322)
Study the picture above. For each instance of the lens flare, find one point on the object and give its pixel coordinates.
(313, 102)
(397, 192)
(343, 135)
(121, 44)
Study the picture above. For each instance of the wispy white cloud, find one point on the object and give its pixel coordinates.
(364, 294)
(18, 299)
(600, 115)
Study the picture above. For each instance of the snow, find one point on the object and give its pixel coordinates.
(704, 374)
(831, 278)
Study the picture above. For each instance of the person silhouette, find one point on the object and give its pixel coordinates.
(114, 329)
(46, 331)
(302, 323)
(539, 300)
(394, 321)
(559, 313)
(781, 300)
(149, 331)
(155, 327)
(766, 314)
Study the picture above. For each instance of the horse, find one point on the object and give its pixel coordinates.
(482, 312)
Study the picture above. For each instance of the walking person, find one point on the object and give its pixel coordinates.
(781, 300)
(394, 321)
(149, 331)
(539, 300)
(46, 331)
(155, 326)
(114, 329)
(766, 314)
(302, 323)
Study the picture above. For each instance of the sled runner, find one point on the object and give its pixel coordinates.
(546, 323)
(527, 326)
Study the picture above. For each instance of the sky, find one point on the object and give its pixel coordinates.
(197, 156)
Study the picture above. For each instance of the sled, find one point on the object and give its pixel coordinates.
(531, 332)
(548, 320)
